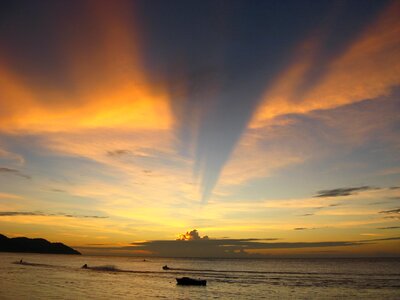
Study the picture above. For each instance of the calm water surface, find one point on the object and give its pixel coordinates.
(60, 277)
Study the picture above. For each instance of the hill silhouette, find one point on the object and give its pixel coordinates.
(37, 245)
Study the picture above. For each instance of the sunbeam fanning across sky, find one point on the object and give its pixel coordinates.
(272, 127)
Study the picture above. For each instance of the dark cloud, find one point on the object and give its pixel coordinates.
(306, 215)
(20, 213)
(223, 247)
(15, 172)
(343, 191)
(191, 244)
(390, 227)
(391, 214)
(392, 211)
(381, 239)
(8, 170)
(303, 228)
(94, 217)
(118, 152)
(378, 202)
(39, 213)
(57, 190)
(394, 217)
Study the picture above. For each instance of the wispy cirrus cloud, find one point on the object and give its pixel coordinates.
(12, 156)
(391, 211)
(118, 152)
(5, 170)
(38, 213)
(9, 196)
(303, 228)
(389, 227)
(340, 192)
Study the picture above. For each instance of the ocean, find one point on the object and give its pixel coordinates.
(44, 276)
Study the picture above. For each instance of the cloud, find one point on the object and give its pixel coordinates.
(20, 213)
(394, 217)
(392, 211)
(191, 236)
(223, 247)
(381, 239)
(114, 89)
(306, 215)
(224, 118)
(9, 196)
(346, 78)
(342, 191)
(113, 177)
(108, 88)
(389, 227)
(260, 154)
(226, 247)
(58, 190)
(5, 170)
(290, 142)
(303, 228)
(38, 213)
(379, 202)
(118, 152)
(314, 114)
(232, 247)
(12, 156)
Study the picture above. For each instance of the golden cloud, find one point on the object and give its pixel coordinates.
(368, 69)
(107, 84)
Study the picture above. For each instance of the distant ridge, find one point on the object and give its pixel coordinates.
(23, 244)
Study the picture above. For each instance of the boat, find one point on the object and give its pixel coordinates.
(190, 281)
(166, 267)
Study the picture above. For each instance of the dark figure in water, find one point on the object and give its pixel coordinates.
(84, 266)
(166, 267)
(20, 261)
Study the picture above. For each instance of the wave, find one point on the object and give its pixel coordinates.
(108, 268)
(277, 272)
(25, 263)
(213, 272)
(249, 277)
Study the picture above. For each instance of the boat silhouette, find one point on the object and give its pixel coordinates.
(190, 281)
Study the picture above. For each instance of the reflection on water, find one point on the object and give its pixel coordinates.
(60, 276)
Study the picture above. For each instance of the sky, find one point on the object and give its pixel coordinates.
(202, 128)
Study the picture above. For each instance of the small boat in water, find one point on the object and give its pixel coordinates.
(190, 281)
(166, 267)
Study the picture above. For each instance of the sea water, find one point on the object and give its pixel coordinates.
(44, 276)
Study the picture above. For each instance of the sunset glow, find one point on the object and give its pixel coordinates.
(127, 129)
